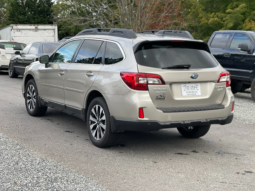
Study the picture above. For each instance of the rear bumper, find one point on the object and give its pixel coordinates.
(4, 63)
(126, 125)
(4, 67)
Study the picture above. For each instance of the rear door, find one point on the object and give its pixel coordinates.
(242, 61)
(219, 48)
(82, 72)
(193, 87)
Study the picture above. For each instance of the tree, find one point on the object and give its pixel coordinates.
(4, 4)
(206, 16)
(30, 12)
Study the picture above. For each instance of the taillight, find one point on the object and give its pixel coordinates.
(225, 77)
(140, 81)
(141, 115)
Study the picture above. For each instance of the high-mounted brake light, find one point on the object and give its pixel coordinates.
(177, 41)
(140, 81)
(225, 77)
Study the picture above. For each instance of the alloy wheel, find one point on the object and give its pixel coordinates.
(189, 128)
(97, 122)
(10, 70)
(31, 97)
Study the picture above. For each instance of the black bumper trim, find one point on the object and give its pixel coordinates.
(189, 109)
(125, 125)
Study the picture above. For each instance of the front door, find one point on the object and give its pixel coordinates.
(242, 62)
(81, 74)
(51, 84)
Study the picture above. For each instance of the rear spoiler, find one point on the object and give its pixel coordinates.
(199, 45)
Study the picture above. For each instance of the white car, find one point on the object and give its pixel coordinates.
(7, 49)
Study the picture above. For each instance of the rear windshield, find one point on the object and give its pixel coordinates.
(49, 48)
(163, 54)
(12, 46)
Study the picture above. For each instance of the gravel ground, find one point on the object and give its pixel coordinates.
(244, 108)
(21, 171)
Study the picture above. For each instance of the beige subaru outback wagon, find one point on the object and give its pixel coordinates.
(119, 80)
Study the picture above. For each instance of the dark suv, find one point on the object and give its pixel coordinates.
(235, 52)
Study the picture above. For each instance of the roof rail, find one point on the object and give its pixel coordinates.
(179, 33)
(124, 33)
(149, 32)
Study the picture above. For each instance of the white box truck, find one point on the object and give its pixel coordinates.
(28, 33)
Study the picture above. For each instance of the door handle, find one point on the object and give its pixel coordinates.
(226, 54)
(61, 73)
(89, 74)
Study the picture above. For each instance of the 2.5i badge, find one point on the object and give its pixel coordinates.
(160, 97)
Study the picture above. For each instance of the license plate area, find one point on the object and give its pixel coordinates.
(191, 89)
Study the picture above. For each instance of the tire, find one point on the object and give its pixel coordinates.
(11, 71)
(236, 87)
(99, 126)
(194, 131)
(253, 89)
(32, 100)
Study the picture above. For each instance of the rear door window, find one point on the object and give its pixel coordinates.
(239, 39)
(220, 40)
(113, 53)
(65, 53)
(88, 51)
(163, 54)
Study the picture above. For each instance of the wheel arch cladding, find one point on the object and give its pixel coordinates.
(28, 77)
(93, 94)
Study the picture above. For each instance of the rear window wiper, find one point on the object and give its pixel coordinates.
(185, 66)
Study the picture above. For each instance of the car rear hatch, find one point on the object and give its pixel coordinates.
(7, 49)
(189, 75)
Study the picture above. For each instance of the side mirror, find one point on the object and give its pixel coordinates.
(45, 60)
(17, 53)
(244, 47)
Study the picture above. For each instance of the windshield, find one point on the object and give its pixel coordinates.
(166, 54)
(253, 35)
(12, 46)
(50, 47)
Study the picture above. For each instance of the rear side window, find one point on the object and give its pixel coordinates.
(35, 48)
(88, 51)
(113, 53)
(239, 39)
(220, 40)
(163, 54)
(66, 52)
(12, 46)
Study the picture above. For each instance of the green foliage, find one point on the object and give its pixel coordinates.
(206, 16)
(30, 12)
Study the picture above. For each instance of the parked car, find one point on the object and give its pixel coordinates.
(173, 33)
(119, 80)
(31, 53)
(235, 52)
(7, 49)
(65, 39)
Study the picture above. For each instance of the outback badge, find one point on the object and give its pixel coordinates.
(194, 76)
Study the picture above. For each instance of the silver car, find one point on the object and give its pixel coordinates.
(118, 81)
